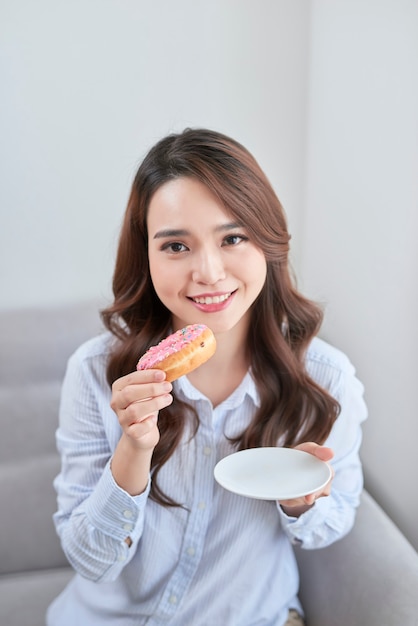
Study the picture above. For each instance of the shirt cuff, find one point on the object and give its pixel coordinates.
(114, 512)
(299, 529)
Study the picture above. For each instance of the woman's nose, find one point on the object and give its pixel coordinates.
(208, 268)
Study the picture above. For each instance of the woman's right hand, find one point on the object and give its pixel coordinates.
(136, 399)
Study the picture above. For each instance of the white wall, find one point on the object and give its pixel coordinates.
(89, 85)
(361, 223)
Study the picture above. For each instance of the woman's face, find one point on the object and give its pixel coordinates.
(203, 266)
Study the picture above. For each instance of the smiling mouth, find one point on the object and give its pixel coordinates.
(212, 299)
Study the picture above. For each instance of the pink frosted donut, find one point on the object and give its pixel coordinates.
(181, 352)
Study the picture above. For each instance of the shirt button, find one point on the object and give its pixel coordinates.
(173, 599)
(128, 514)
(202, 506)
(127, 527)
(207, 451)
(191, 551)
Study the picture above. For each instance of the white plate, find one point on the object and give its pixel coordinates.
(272, 473)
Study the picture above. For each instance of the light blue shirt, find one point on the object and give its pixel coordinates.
(224, 560)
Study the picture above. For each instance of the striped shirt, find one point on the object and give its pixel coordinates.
(222, 559)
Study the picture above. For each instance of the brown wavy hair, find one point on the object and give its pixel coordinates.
(293, 407)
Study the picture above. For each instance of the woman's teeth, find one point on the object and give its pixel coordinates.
(212, 299)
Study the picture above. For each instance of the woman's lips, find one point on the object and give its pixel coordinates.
(211, 299)
(212, 303)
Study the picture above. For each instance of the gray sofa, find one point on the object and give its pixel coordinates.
(370, 578)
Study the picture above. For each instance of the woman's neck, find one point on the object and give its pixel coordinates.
(221, 375)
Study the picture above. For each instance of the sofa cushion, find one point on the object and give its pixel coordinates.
(370, 577)
(35, 346)
(24, 598)
(36, 343)
(28, 501)
(28, 418)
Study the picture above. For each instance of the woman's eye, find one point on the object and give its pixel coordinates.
(174, 247)
(233, 240)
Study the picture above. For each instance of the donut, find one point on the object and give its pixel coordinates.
(181, 352)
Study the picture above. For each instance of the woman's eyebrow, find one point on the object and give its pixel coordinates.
(182, 232)
(231, 226)
(171, 232)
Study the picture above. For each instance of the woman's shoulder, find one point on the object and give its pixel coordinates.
(327, 364)
(96, 349)
(322, 352)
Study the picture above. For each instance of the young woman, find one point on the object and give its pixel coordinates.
(153, 538)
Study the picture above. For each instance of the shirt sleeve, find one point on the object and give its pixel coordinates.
(333, 516)
(95, 516)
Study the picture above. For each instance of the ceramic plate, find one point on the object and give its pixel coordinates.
(272, 473)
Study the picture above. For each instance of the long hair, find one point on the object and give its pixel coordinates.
(293, 407)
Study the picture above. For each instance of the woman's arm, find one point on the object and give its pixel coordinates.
(104, 481)
(315, 525)
(136, 400)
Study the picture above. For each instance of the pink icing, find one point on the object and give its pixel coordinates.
(170, 345)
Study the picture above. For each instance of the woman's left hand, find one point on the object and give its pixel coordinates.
(297, 506)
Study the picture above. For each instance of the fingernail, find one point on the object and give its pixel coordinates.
(159, 375)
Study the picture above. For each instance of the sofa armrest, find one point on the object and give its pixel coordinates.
(369, 577)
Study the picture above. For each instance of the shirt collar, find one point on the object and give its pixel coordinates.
(184, 388)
